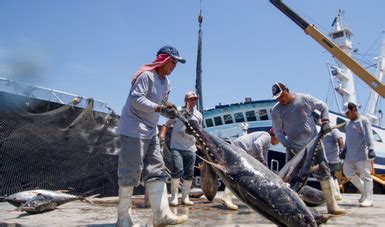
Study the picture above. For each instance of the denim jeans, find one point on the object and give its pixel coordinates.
(183, 164)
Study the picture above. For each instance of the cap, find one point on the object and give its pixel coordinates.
(190, 95)
(349, 106)
(277, 89)
(244, 126)
(171, 51)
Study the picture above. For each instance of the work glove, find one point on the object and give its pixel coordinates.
(325, 128)
(371, 154)
(342, 153)
(168, 110)
(162, 142)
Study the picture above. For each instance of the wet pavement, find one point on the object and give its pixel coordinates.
(202, 213)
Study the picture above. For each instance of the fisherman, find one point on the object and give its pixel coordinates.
(293, 115)
(256, 144)
(140, 157)
(359, 153)
(334, 143)
(182, 149)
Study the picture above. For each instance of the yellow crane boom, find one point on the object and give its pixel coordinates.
(334, 49)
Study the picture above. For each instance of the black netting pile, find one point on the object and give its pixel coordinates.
(52, 146)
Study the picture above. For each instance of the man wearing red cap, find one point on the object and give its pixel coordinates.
(182, 149)
(140, 157)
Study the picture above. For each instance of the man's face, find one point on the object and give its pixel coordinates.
(351, 114)
(284, 98)
(191, 102)
(170, 66)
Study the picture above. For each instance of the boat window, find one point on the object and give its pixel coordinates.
(263, 115)
(218, 121)
(250, 116)
(239, 117)
(339, 121)
(209, 122)
(376, 137)
(338, 34)
(228, 119)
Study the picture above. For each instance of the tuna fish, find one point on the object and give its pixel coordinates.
(252, 182)
(311, 196)
(37, 201)
(209, 181)
(39, 204)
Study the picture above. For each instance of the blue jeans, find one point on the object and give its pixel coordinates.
(183, 164)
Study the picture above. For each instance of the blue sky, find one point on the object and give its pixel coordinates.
(93, 47)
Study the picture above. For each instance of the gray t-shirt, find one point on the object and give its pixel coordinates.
(359, 138)
(139, 119)
(256, 144)
(296, 120)
(180, 140)
(330, 142)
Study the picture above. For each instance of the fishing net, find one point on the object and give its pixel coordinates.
(52, 146)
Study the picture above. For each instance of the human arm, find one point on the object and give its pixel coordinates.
(142, 89)
(340, 143)
(368, 136)
(262, 144)
(139, 92)
(278, 128)
(316, 104)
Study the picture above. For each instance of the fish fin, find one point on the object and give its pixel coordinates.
(219, 167)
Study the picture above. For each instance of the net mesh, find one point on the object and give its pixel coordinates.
(53, 146)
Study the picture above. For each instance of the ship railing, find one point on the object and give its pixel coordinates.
(51, 95)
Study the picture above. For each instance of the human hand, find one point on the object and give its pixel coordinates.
(371, 154)
(342, 153)
(168, 110)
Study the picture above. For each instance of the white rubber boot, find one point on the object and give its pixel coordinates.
(359, 184)
(174, 191)
(333, 208)
(162, 214)
(186, 188)
(124, 207)
(228, 201)
(337, 192)
(368, 192)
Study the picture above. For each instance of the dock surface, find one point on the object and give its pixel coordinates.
(203, 213)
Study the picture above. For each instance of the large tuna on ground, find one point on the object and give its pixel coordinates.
(252, 182)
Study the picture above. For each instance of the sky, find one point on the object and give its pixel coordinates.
(93, 47)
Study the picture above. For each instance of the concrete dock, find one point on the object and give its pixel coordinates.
(202, 213)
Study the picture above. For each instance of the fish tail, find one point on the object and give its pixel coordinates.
(88, 199)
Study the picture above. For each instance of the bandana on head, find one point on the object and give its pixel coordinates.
(160, 60)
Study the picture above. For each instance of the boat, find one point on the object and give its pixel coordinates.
(228, 120)
(55, 140)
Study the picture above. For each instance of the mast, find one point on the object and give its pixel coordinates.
(373, 98)
(198, 80)
(343, 76)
